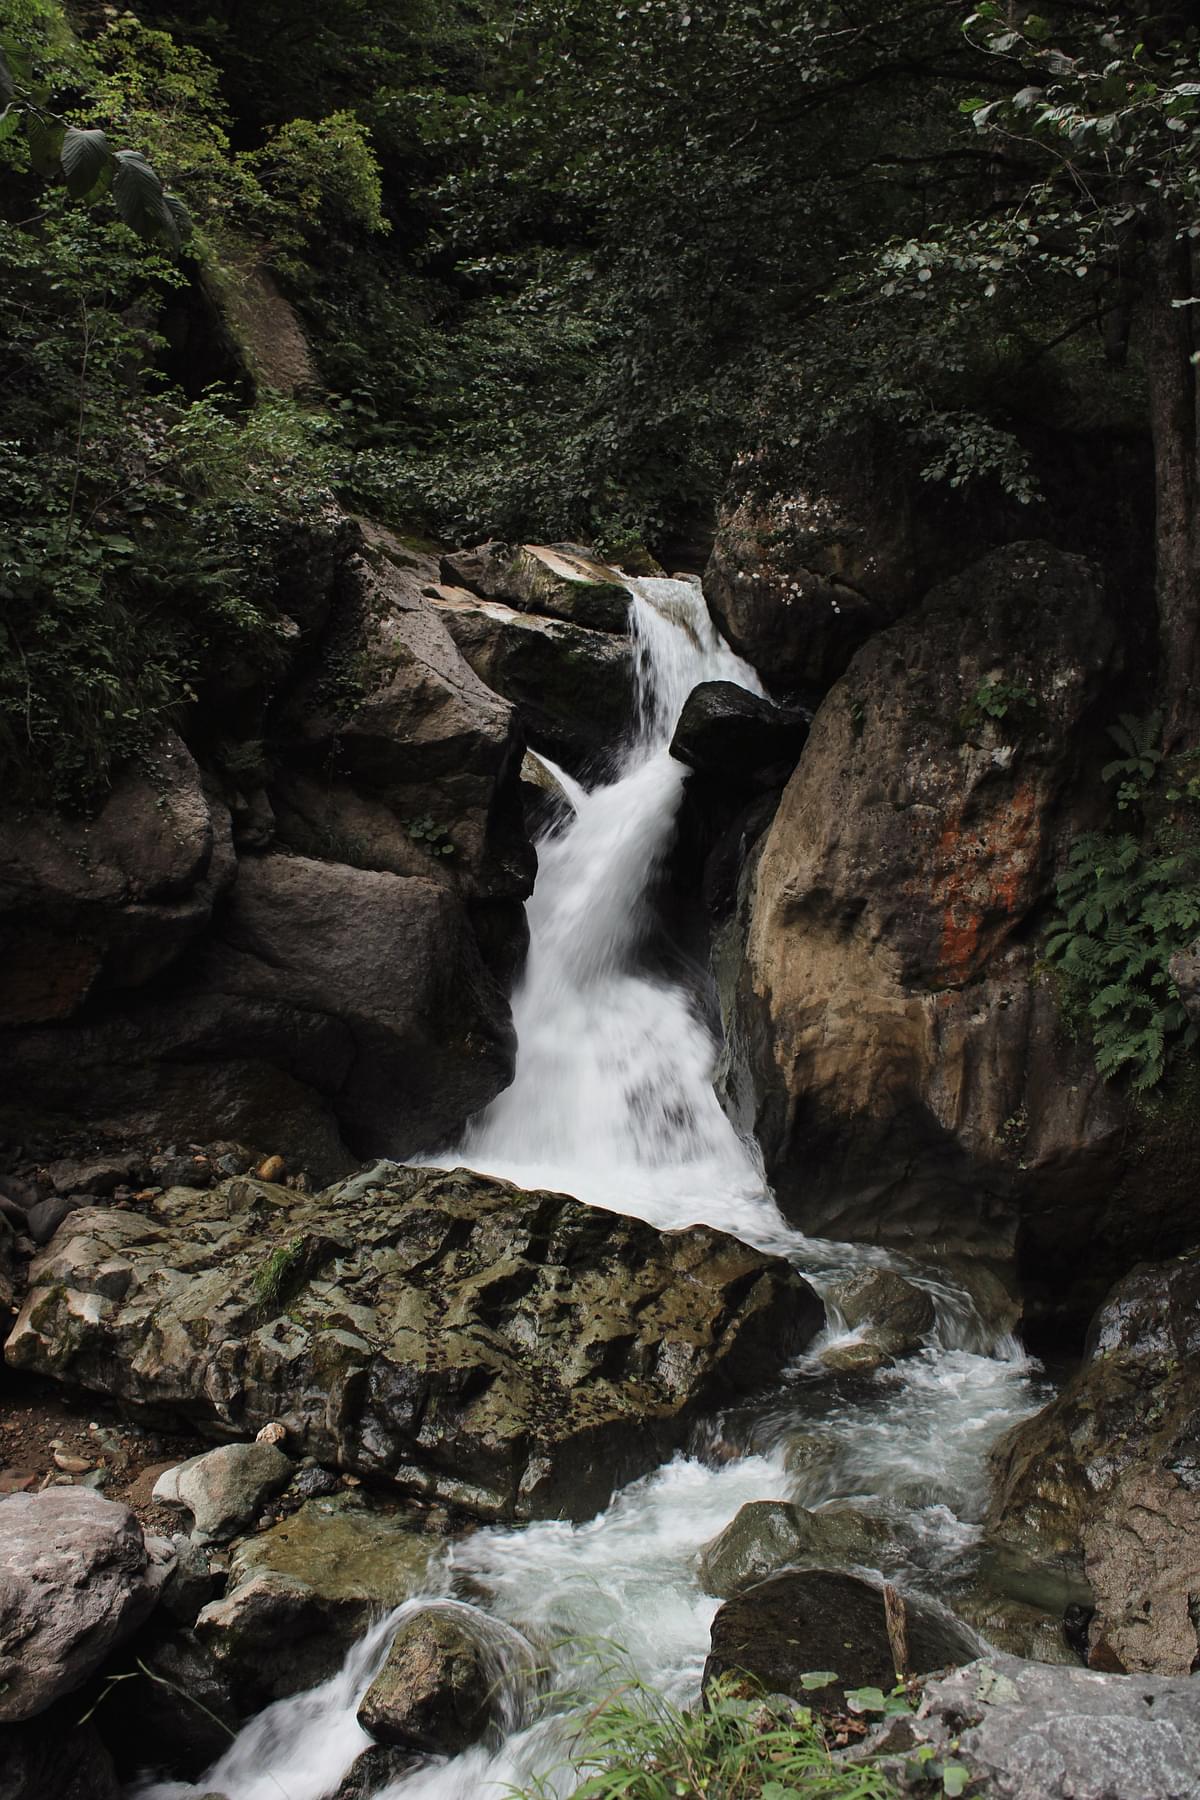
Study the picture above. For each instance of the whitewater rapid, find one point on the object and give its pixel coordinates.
(613, 1102)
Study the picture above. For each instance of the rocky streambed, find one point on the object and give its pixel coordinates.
(470, 1442)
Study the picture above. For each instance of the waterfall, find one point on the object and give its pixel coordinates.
(612, 1101)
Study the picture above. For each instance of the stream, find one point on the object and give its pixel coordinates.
(613, 1102)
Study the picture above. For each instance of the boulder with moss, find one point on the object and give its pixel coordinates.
(515, 1354)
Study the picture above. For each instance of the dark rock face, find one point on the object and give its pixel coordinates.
(732, 735)
(517, 1355)
(437, 1690)
(1028, 1732)
(813, 1619)
(55, 1756)
(1185, 973)
(76, 1577)
(1108, 1475)
(164, 977)
(371, 1772)
(562, 580)
(890, 1043)
(173, 1713)
(573, 687)
(110, 903)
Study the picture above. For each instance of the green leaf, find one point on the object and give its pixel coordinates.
(10, 119)
(818, 1678)
(954, 1779)
(139, 198)
(87, 162)
(8, 86)
(866, 1699)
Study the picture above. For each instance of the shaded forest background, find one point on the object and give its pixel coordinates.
(562, 269)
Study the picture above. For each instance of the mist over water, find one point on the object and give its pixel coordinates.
(613, 1102)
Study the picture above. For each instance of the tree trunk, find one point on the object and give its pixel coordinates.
(1172, 338)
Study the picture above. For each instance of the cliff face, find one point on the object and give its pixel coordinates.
(302, 928)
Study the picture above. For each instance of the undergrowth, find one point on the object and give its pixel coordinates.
(1127, 903)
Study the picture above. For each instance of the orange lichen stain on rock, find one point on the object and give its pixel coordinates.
(980, 882)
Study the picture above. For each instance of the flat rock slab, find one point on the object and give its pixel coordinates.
(76, 1577)
(514, 1354)
(1041, 1733)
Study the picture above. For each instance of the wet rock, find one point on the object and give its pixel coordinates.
(319, 1578)
(76, 1578)
(768, 1535)
(438, 1691)
(93, 1175)
(894, 1313)
(891, 1043)
(814, 1619)
(312, 1482)
(1016, 1628)
(191, 1583)
(808, 1452)
(857, 1357)
(174, 1713)
(572, 687)
(563, 581)
(371, 1772)
(726, 732)
(225, 1488)
(55, 1758)
(514, 1354)
(1030, 1732)
(1108, 1475)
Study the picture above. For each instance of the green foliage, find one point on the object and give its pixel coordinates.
(321, 176)
(1123, 910)
(1139, 740)
(637, 1746)
(999, 700)
(433, 836)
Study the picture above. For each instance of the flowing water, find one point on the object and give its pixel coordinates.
(613, 1102)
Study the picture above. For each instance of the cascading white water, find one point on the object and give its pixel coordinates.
(613, 1102)
(613, 1099)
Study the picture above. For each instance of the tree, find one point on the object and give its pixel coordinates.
(1106, 111)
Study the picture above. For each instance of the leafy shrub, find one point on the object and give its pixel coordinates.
(637, 1746)
(1124, 909)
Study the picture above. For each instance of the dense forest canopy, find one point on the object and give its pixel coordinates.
(561, 265)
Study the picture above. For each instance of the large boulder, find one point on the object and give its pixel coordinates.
(332, 1005)
(1106, 1479)
(109, 902)
(1028, 1732)
(891, 1044)
(730, 734)
(798, 580)
(398, 712)
(76, 1578)
(515, 1354)
(812, 1620)
(560, 580)
(572, 686)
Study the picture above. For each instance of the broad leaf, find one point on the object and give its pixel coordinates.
(87, 162)
(45, 146)
(139, 198)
